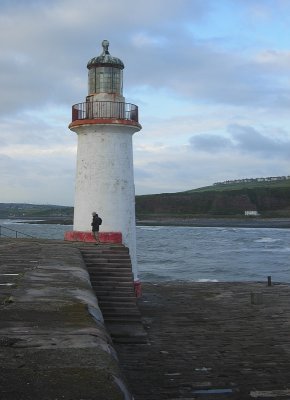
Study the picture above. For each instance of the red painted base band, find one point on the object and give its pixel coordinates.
(137, 288)
(88, 237)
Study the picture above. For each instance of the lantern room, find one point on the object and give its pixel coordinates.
(105, 73)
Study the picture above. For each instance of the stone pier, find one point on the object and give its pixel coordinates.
(70, 330)
(53, 341)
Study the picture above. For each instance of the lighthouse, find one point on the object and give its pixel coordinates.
(105, 125)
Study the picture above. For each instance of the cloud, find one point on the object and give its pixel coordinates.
(31, 70)
(210, 143)
(182, 168)
(243, 139)
(40, 179)
(52, 68)
(250, 140)
(213, 105)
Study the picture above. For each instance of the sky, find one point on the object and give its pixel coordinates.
(211, 80)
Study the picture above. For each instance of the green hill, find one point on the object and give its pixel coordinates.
(24, 210)
(269, 199)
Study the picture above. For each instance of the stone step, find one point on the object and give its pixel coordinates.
(107, 293)
(128, 302)
(112, 284)
(112, 294)
(118, 270)
(101, 260)
(109, 266)
(104, 292)
(95, 275)
(105, 252)
(114, 254)
(107, 256)
(117, 299)
(121, 308)
(112, 287)
(100, 275)
(112, 290)
(112, 264)
(123, 279)
(99, 250)
(111, 277)
(126, 318)
(110, 273)
(115, 296)
(104, 278)
(108, 263)
(120, 299)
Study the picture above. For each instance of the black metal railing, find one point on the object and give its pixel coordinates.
(105, 109)
(16, 234)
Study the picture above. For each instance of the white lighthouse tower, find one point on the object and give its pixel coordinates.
(105, 124)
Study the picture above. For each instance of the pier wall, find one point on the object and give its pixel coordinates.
(53, 342)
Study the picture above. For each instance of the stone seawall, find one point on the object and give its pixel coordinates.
(53, 342)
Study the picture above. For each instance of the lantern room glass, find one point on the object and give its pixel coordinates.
(105, 80)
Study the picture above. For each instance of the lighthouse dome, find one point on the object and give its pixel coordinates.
(105, 76)
(105, 59)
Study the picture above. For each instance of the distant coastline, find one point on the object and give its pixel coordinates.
(250, 222)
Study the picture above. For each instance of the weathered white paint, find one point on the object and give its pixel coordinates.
(105, 181)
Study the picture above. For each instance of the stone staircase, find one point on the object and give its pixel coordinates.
(110, 271)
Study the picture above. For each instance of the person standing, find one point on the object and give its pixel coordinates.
(97, 221)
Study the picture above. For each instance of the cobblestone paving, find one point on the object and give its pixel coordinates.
(208, 341)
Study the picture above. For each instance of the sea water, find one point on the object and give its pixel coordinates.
(195, 253)
(213, 254)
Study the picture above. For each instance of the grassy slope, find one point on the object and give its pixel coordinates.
(269, 198)
(238, 186)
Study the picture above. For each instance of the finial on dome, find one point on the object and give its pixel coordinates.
(105, 44)
(105, 59)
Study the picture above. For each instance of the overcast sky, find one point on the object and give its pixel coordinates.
(211, 79)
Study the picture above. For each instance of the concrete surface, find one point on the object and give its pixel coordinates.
(208, 341)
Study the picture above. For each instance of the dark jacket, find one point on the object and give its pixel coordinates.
(97, 221)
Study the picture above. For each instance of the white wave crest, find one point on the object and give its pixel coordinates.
(149, 228)
(266, 240)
